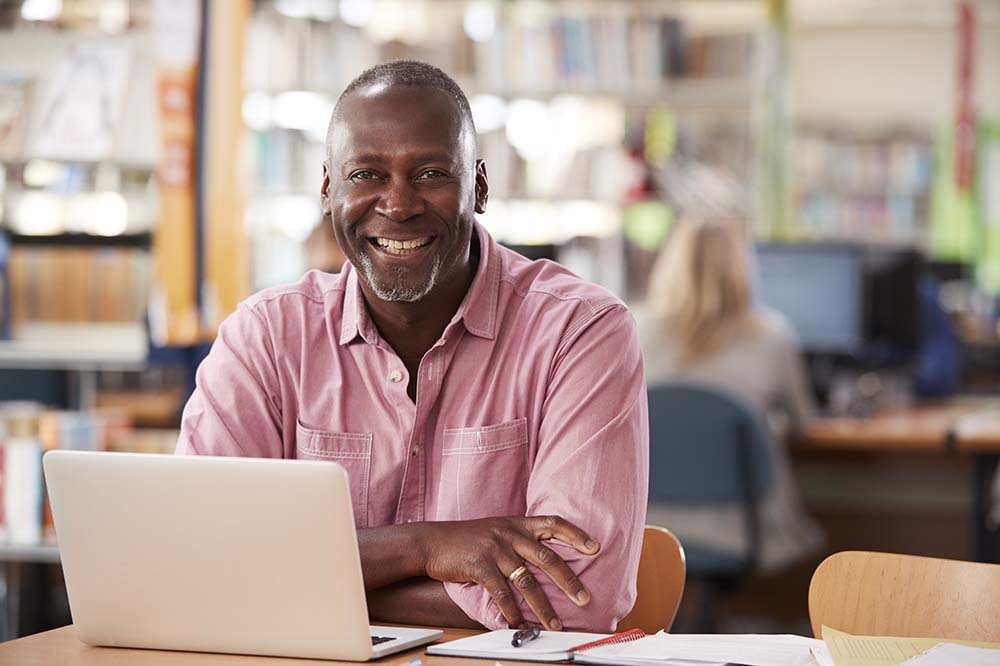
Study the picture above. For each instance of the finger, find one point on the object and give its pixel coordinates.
(526, 583)
(554, 527)
(497, 586)
(554, 567)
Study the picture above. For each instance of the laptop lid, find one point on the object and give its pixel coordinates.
(236, 555)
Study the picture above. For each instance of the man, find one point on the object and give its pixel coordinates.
(490, 411)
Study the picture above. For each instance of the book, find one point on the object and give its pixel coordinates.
(552, 646)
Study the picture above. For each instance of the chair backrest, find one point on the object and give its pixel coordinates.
(885, 594)
(660, 582)
(706, 446)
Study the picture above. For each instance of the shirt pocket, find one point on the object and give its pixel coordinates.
(353, 451)
(484, 471)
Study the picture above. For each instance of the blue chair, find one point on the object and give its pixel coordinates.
(707, 448)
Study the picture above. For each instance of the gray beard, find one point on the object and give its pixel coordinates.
(396, 293)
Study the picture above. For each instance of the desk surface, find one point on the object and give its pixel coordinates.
(924, 428)
(60, 646)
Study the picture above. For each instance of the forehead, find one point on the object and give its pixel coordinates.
(390, 119)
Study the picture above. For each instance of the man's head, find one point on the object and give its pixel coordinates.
(401, 182)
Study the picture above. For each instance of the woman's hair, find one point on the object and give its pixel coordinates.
(699, 290)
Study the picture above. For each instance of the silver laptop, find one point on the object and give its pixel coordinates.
(234, 555)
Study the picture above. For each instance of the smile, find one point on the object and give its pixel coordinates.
(401, 247)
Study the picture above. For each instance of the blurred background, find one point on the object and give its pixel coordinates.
(160, 160)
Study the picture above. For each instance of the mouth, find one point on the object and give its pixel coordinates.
(400, 247)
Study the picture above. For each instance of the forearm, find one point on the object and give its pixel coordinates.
(390, 554)
(417, 601)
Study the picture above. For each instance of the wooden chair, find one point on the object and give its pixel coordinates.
(660, 582)
(884, 594)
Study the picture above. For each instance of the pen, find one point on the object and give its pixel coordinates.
(522, 636)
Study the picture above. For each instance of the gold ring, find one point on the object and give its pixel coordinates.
(517, 573)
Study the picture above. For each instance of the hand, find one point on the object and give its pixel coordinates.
(487, 551)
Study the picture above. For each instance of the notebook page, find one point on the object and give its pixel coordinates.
(549, 646)
(749, 649)
(950, 654)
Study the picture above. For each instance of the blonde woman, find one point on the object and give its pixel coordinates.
(700, 324)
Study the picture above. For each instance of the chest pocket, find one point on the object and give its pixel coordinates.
(353, 451)
(484, 471)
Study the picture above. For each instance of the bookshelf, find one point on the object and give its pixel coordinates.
(583, 109)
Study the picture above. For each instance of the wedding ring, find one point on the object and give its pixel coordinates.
(517, 573)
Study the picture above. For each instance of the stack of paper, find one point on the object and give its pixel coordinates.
(850, 650)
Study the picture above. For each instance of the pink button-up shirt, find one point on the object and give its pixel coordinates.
(533, 402)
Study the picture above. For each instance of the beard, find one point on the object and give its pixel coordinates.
(396, 287)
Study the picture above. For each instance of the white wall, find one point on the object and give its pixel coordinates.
(874, 76)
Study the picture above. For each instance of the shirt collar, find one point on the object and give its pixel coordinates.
(477, 311)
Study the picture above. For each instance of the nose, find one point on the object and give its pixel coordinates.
(399, 201)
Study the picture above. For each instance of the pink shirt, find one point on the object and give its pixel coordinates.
(532, 402)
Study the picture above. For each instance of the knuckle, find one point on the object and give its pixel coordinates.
(547, 556)
(502, 594)
(551, 521)
(526, 582)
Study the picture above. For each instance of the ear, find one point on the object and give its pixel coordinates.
(482, 186)
(324, 194)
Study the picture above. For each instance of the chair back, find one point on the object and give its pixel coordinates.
(885, 594)
(706, 447)
(659, 584)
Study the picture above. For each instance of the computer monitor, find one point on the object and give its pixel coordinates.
(893, 327)
(819, 289)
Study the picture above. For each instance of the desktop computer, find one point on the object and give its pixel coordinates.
(856, 311)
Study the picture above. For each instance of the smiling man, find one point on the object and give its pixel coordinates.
(490, 411)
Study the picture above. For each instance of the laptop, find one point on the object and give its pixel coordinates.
(232, 555)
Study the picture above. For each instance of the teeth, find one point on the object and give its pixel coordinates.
(401, 246)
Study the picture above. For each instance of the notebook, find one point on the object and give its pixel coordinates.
(194, 553)
(551, 646)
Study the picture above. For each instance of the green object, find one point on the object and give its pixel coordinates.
(955, 231)
(661, 137)
(988, 188)
(647, 224)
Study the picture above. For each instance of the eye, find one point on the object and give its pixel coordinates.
(364, 174)
(432, 174)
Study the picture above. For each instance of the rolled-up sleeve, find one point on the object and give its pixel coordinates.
(234, 410)
(592, 469)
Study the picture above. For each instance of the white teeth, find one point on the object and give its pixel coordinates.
(396, 246)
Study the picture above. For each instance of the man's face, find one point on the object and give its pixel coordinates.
(401, 188)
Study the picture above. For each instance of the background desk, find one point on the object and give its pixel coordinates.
(60, 646)
(953, 429)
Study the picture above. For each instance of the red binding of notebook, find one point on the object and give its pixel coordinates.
(623, 637)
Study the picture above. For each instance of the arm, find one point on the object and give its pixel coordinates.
(235, 408)
(591, 469)
(420, 601)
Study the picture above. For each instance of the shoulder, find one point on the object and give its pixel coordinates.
(546, 284)
(315, 287)
(776, 329)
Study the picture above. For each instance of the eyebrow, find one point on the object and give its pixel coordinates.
(369, 158)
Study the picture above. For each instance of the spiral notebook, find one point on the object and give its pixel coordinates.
(550, 646)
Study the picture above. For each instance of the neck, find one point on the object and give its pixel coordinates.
(413, 328)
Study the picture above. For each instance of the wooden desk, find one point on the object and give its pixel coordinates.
(60, 646)
(944, 429)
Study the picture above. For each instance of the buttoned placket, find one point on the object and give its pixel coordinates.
(429, 379)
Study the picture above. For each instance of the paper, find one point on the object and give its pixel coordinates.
(953, 654)
(850, 650)
(749, 649)
(549, 646)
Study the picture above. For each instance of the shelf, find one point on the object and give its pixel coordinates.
(76, 346)
(693, 93)
(139, 240)
(41, 552)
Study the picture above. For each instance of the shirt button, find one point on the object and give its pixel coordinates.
(415, 451)
(395, 376)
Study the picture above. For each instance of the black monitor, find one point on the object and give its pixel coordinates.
(893, 321)
(819, 289)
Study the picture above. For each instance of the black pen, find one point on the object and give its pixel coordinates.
(522, 636)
